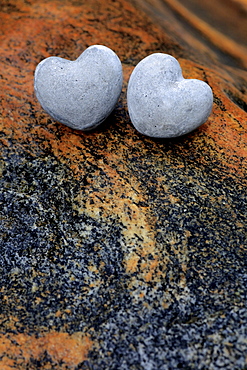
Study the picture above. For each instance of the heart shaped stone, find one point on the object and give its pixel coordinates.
(81, 93)
(162, 103)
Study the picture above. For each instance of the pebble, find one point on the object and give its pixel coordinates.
(162, 103)
(81, 93)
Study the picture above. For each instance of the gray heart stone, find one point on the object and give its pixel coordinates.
(81, 93)
(162, 103)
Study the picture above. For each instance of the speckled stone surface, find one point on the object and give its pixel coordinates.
(118, 251)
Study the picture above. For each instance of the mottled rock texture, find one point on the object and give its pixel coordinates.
(118, 251)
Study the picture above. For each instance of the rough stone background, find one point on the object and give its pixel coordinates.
(118, 251)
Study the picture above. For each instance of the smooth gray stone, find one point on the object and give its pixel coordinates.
(162, 103)
(81, 93)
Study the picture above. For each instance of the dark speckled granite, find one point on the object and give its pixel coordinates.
(118, 251)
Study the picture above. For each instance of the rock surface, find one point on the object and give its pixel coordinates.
(81, 93)
(119, 251)
(162, 103)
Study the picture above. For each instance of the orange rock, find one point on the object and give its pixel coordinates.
(67, 351)
(115, 176)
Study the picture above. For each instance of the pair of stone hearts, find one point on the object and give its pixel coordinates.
(82, 93)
